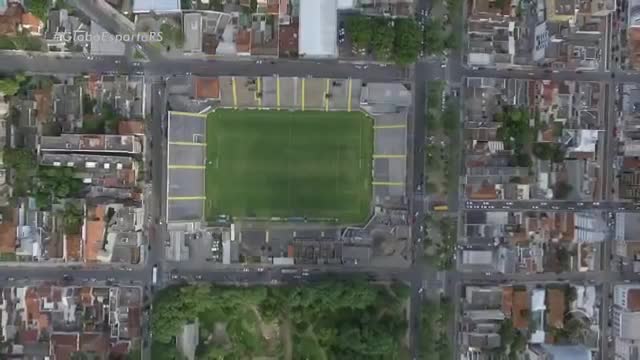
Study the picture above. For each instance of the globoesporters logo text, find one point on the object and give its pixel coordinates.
(81, 36)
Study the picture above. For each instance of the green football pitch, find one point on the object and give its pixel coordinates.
(289, 164)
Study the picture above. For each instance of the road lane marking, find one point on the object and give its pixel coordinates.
(326, 97)
(188, 114)
(186, 143)
(235, 95)
(303, 94)
(349, 96)
(387, 183)
(187, 167)
(185, 198)
(389, 156)
(389, 126)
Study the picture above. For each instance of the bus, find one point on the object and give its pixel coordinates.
(440, 208)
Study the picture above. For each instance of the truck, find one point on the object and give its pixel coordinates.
(154, 275)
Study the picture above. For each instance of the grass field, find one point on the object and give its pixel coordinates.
(289, 164)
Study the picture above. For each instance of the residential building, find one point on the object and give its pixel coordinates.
(192, 23)
(318, 29)
(124, 144)
(558, 352)
(626, 312)
(627, 234)
(156, 6)
(53, 322)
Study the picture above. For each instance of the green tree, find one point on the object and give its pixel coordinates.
(407, 42)
(360, 29)
(454, 41)
(9, 86)
(523, 159)
(434, 37)
(55, 183)
(167, 32)
(39, 8)
(382, 38)
(19, 159)
(451, 118)
(109, 118)
(515, 131)
(73, 216)
(178, 38)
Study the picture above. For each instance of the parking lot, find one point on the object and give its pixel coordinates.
(293, 93)
(186, 148)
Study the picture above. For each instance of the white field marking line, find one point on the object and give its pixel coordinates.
(288, 175)
(360, 140)
(337, 170)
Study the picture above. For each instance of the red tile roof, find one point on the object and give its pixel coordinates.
(207, 87)
(631, 162)
(95, 227)
(243, 41)
(557, 307)
(94, 343)
(64, 345)
(32, 22)
(633, 300)
(29, 336)
(288, 39)
(11, 19)
(8, 238)
(130, 127)
(520, 313)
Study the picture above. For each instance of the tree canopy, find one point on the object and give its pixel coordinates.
(39, 8)
(9, 86)
(55, 183)
(342, 319)
(399, 40)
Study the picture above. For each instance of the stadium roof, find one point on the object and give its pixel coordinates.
(143, 6)
(318, 28)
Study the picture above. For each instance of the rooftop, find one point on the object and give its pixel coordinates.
(130, 127)
(556, 306)
(142, 6)
(8, 234)
(95, 143)
(206, 87)
(94, 230)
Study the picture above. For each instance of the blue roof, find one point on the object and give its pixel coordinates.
(141, 6)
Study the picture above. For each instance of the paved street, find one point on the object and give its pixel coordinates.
(74, 65)
(550, 205)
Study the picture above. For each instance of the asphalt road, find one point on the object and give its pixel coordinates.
(550, 205)
(73, 65)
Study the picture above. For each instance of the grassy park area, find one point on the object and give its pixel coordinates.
(329, 320)
(289, 164)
